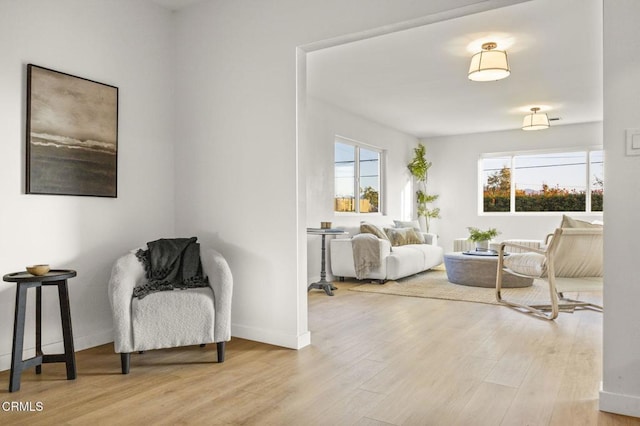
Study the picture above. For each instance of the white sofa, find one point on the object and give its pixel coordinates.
(395, 262)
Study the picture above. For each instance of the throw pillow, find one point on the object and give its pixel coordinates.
(407, 224)
(569, 222)
(370, 228)
(530, 264)
(402, 236)
(410, 224)
(413, 236)
(396, 236)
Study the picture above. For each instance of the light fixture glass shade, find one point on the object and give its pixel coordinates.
(489, 64)
(535, 121)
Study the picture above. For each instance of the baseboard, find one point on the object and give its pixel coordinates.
(316, 278)
(304, 340)
(271, 337)
(79, 344)
(627, 405)
(93, 340)
(244, 332)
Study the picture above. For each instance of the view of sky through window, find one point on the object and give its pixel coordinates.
(357, 178)
(544, 182)
(345, 169)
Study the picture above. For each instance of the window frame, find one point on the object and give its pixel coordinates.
(356, 185)
(512, 202)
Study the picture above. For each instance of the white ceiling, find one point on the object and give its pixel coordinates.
(416, 80)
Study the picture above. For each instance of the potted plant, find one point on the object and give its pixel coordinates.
(481, 238)
(419, 168)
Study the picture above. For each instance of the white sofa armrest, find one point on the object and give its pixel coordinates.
(431, 239)
(125, 275)
(221, 282)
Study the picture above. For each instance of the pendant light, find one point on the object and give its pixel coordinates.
(535, 121)
(489, 64)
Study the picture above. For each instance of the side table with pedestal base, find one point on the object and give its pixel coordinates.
(323, 284)
(25, 281)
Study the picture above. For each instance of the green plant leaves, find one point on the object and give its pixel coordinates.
(476, 234)
(419, 168)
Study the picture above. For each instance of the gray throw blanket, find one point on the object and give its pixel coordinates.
(170, 264)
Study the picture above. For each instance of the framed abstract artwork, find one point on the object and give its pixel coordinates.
(72, 135)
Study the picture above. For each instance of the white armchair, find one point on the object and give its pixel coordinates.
(170, 318)
(572, 262)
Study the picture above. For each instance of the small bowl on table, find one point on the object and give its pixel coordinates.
(38, 270)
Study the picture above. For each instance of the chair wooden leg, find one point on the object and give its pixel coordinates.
(125, 360)
(220, 347)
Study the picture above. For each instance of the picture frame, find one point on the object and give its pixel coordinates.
(72, 135)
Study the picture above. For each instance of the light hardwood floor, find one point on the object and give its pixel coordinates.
(374, 360)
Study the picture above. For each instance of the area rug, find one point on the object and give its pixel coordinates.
(433, 284)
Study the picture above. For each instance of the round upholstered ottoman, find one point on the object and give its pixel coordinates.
(479, 271)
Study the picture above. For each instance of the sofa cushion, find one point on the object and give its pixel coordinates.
(411, 259)
(410, 224)
(155, 328)
(402, 236)
(404, 261)
(370, 228)
(569, 222)
(530, 264)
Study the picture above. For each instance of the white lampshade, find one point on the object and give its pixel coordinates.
(535, 121)
(489, 64)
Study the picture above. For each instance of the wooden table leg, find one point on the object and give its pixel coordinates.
(67, 333)
(18, 338)
(39, 326)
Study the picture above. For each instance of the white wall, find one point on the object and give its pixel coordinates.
(324, 122)
(118, 42)
(621, 369)
(454, 176)
(237, 151)
(235, 110)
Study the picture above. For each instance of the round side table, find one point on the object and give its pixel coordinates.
(25, 281)
(323, 284)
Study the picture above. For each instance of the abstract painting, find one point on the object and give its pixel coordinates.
(72, 135)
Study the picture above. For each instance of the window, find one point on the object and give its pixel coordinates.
(357, 178)
(571, 181)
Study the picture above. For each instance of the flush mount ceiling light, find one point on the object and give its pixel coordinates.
(535, 121)
(489, 64)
